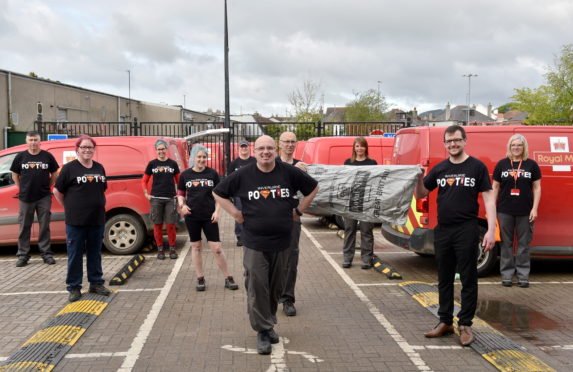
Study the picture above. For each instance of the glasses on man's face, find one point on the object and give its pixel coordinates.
(161, 149)
(288, 142)
(263, 148)
(87, 148)
(457, 141)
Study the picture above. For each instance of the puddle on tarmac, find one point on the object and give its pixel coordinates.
(514, 317)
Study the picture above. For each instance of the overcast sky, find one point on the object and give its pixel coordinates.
(418, 50)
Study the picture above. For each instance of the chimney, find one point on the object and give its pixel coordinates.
(414, 114)
(489, 110)
(447, 112)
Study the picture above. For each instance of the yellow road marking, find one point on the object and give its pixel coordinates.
(85, 306)
(515, 360)
(67, 335)
(27, 366)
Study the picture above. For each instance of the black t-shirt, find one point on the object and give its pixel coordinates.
(366, 161)
(35, 172)
(83, 189)
(294, 161)
(267, 200)
(459, 186)
(198, 187)
(528, 173)
(163, 173)
(238, 163)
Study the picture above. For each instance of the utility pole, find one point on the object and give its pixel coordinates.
(469, 76)
(129, 92)
(227, 123)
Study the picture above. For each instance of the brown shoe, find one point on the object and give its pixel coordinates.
(440, 330)
(466, 335)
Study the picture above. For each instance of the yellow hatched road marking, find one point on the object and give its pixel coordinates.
(67, 335)
(515, 360)
(427, 299)
(36, 366)
(85, 306)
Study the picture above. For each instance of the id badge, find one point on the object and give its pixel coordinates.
(514, 192)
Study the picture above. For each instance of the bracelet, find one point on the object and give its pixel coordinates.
(299, 213)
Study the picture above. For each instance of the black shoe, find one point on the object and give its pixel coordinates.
(273, 336)
(346, 265)
(22, 261)
(173, 253)
(201, 286)
(230, 283)
(263, 343)
(161, 254)
(239, 243)
(99, 289)
(523, 284)
(75, 294)
(506, 283)
(366, 266)
(49, 260)
(289, 309)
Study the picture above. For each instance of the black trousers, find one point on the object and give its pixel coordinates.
(457, 248)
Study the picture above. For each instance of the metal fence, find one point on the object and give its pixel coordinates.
(222, 147)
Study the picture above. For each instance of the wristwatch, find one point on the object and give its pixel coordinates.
(299, 213)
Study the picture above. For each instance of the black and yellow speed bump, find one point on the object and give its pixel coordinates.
(497, 349)
(127, 270)
(385, 268)
(44, 350)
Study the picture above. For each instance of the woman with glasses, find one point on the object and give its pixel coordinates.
(359, 158)
(517, 187)
(80, 188)
(164, 175)
(196, 202)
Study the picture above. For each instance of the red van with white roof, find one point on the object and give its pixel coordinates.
(549, 146)
(128, 222)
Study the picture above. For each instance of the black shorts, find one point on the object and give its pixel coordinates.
(210, 229)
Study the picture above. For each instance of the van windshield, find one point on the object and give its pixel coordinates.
(5, 173)
(406, 149)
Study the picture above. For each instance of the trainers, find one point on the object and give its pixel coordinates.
(289, 309)
(22, 261)
(239, 242)
(523, 284)
(201, 286)
(273, 336)
(49, 260)
(99, 289)
(506, 283)
(161, 254)
(263, 343)
(75, 294)
(346, 265)
(173, 253)
(230, 283)
(366, 266)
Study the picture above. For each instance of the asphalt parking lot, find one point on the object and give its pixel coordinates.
(348, 319)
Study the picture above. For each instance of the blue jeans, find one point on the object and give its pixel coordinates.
(79, 238)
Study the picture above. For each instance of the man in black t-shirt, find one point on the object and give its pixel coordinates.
(34, 171)
(244, 158)
(459, 180)
(266, 190)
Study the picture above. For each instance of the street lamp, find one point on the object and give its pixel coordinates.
(129, 92)
(379, 99)
(469, 76)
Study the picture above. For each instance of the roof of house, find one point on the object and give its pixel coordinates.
(334, 114)
(459, 113)
(515, 115)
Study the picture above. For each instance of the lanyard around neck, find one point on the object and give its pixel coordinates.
(515, 173)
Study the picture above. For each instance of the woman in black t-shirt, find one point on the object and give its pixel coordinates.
(196, 201)
(359, 157)
(164, 173)
(517, 186)
(80, 188)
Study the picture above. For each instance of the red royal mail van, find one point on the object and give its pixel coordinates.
(335, 150)
(127, 210)
(549, 146)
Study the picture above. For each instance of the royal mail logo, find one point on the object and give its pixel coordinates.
(559, 146)
(546, 158)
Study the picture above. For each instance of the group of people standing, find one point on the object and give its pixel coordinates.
(260, 194)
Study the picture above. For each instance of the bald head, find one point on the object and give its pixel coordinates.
(287, 142)
(265, 153)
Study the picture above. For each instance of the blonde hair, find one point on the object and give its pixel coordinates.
(525, 153)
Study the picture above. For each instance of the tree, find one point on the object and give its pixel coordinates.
(506, 107)
(366, 106)
(551, 103)
(305, 102)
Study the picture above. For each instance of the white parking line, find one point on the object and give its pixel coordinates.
(414, 357)
(145, 329)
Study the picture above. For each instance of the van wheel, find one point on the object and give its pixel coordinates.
(123, 234)
(339, 221)
(487, 261)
